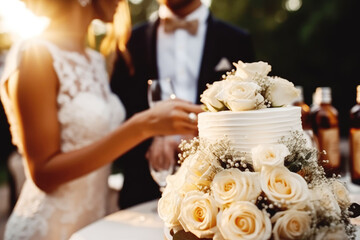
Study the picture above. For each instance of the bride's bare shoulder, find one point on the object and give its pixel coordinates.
(35, 68)
(34, 84)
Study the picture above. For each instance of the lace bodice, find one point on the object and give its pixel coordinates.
(87, 110)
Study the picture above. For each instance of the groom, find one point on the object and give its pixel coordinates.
(187, 44)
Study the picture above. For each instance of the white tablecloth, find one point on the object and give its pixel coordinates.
(136, 223)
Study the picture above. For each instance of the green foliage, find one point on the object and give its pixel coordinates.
(142, 11)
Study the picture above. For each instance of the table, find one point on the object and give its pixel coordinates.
(135, 223)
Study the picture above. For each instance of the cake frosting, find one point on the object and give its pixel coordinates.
(248, 129)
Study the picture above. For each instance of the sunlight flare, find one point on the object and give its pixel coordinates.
(17, 20)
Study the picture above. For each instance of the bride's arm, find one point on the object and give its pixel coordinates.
(33, 91)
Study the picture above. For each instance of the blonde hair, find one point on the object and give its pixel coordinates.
(117, 36)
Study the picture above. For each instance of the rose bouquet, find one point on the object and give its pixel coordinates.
(280, 192)
(248, 87)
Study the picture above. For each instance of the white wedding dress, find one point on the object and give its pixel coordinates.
(87, 110)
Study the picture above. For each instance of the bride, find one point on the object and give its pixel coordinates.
(67, 123)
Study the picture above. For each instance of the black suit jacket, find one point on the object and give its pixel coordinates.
(222, 40)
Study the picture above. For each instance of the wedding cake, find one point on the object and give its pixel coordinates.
(251, 173)
(247, 129)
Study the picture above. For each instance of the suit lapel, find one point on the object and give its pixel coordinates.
(207, 56)
(151, 36)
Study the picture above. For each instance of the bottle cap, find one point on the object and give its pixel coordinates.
(323, 94)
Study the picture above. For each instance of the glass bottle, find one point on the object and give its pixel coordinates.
(314, 108)
(305, 109)
(355, 139)
(305, 118)
(325, 125)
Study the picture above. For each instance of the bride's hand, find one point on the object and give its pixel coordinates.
(173, 117)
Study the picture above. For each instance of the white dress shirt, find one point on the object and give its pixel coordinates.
(179, 54)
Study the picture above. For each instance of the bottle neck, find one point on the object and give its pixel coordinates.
(358, 94)
(323, 96)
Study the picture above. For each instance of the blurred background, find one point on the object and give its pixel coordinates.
(311, 43)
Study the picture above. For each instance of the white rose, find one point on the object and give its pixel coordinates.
(234, 78)
(341, 194)
(198, 214)
(324, 201)
(240, 96)
(201, 169)
(271, 155)
(218, 236)
(169, 208)
(281, 185)
(333, 233)
(178, 182)
(249, 71)
(208, 97)
(290, 224)
(174, 192)
(281, 92)
(232, 185)
(243, 220)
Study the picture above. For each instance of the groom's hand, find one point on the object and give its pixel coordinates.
(163, 152)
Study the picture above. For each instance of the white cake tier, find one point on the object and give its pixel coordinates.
(248, 129)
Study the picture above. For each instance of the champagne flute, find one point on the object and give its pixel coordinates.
(159, 90)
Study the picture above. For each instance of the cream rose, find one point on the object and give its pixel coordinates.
(198, 214)
(290, 224)
(208, 97)
(201, 169)
(232, 185)
(281, 185)
(234, 78)
(179, 182)
(281, 92)
(240, 96)
(341, 194)
(249, 71)
(174, 192)
(218, 236)
(271, 155)
(196, 170)
(169, 208)
(324, 201)
(243, 220)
